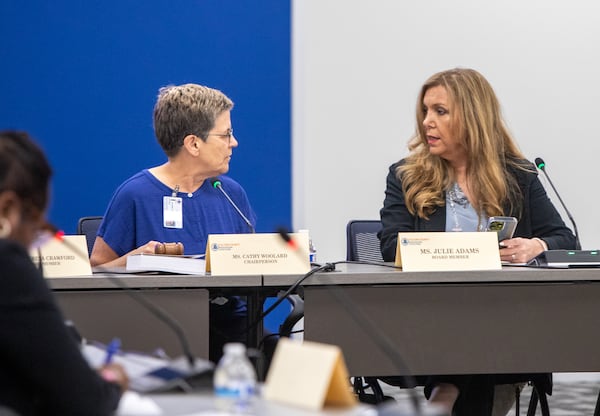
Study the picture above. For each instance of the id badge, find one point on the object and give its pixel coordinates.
(172, 212)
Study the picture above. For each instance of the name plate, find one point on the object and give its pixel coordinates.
(63, 258)
(448, 251)
(309, 375)
(252, 254)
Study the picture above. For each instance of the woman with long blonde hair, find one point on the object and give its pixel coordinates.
(463, 168)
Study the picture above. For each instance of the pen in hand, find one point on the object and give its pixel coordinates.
(111, 350)
(114, 373)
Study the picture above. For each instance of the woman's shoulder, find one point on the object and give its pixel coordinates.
(230, 184)
(394, 166)
(523, 163)
(141, 184)
(16, 266)
(10, 249)
(521, 168)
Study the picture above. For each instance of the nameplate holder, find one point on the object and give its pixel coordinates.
(256, 254)
(63, 258)
(309, 375)
(447, 251)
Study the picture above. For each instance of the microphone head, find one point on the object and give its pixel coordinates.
(283, 233)
(215, 182)
(539, 162)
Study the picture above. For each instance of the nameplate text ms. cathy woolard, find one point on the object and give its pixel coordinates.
(256, 254)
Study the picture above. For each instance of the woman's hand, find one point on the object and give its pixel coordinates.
(104, 256)
(148, 248)
(115, 373)
(521, 250)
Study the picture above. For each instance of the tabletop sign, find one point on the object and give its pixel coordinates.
(308, 374)
(448, 251)
(64, 257)
(252, 254)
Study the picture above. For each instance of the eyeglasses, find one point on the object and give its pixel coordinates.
(227, 135)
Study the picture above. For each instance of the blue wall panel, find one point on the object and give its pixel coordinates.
(82, 77)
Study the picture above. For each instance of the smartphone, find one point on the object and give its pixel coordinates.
(504, 226)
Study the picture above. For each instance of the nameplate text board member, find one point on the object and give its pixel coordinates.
(464, 167)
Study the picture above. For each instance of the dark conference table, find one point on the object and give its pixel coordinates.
(512, 320)
(101, 310)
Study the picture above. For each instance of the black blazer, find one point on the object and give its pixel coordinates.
(42, 371)
(537, 218)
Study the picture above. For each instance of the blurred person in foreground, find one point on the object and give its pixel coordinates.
(42, 371)
(176, 202)
(463, 168)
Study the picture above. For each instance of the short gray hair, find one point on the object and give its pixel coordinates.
(186, 109)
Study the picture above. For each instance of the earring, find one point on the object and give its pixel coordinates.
(5, 227)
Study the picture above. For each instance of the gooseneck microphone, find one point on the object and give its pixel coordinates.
(541, 165)
(216, 183)
(381, 340)
(155, 310)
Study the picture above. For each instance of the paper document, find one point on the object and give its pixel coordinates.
(166, 263)
(133, 403)
(148, 373)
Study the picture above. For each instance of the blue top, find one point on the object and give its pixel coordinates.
(460, 214)
(135, 214)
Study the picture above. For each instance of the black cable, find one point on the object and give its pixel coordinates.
(327, 267)
(382, 341)
(278, 334)
(155, 310)
(281, 297)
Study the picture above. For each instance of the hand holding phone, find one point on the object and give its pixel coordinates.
(504, 226)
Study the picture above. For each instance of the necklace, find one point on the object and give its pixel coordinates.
(455, 196)
(176, 190)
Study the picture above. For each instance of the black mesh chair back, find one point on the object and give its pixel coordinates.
(362, 243)
(88, 226)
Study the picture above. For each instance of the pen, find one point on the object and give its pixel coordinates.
(111, 349)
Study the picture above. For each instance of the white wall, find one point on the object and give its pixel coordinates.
(357, 69)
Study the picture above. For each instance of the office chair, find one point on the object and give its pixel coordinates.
(362, 244)
(290, 324)
(88, 226)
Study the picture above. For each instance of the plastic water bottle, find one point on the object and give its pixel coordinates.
(312, 251)
(234, 379)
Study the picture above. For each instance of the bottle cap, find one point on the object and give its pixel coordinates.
(235, 348)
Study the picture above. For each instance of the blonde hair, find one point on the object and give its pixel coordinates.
(477, 122)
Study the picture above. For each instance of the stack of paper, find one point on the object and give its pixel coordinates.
(166, 263)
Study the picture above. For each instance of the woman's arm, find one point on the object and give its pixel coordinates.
(546, 222)
(394, 215)
(44, 358)
(103, 255)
